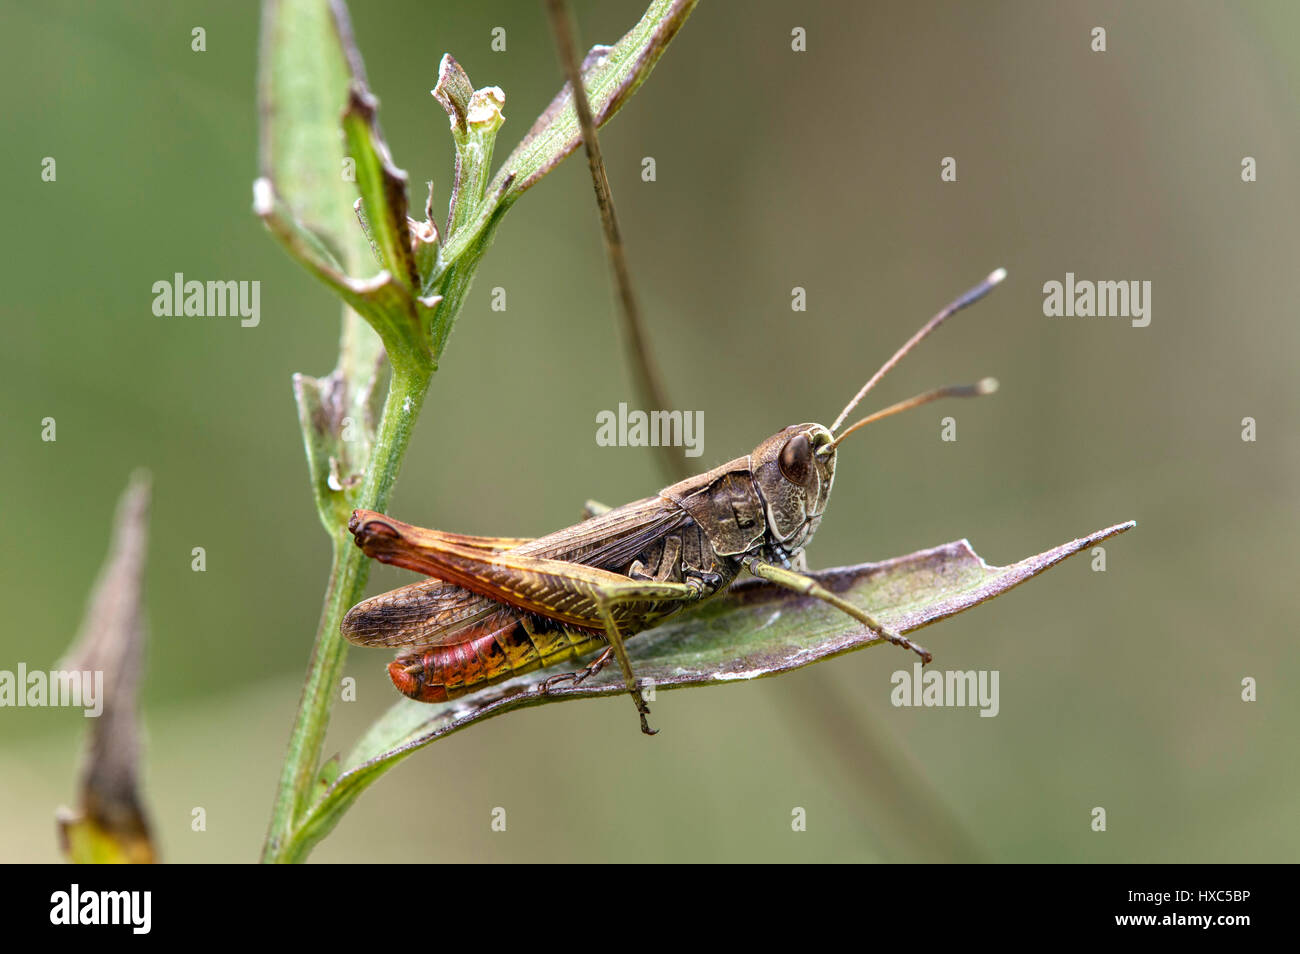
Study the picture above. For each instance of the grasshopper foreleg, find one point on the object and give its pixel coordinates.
(810, 587)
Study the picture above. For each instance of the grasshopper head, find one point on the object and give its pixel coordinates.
(794, 469)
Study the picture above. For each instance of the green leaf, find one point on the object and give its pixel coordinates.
(611, 74)
(319, 124)
(308, 65)
(338, 426)
(755, 630)
(382, 186)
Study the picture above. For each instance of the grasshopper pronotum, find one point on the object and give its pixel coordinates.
(498, 607)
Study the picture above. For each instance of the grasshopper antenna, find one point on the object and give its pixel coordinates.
(967, 298)
(978, 389)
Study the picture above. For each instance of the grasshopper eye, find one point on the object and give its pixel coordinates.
(796, 459)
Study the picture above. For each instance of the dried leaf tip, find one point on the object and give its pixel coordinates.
(110, 823)
(454, 92)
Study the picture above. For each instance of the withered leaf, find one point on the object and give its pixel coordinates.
(110, 825)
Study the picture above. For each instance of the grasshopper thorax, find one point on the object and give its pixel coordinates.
(793, 470)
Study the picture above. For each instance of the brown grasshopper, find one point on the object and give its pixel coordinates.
(498, 607)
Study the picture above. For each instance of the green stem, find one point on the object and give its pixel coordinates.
(348, 574)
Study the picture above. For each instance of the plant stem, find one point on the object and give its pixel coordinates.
(348, 573)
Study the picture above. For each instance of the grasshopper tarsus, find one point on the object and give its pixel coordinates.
(582, 675)
(643, 710)
(902, 642)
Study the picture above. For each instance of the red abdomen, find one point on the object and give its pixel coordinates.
(480, 658)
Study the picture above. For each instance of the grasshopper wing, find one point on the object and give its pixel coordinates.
(613, 539)
(425, 614)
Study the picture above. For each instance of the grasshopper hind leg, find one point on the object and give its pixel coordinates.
(616, 644)
(607, 597)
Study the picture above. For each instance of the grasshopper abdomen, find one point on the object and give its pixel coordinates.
(441, 673)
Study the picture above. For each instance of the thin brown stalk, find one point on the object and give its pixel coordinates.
(647, 380)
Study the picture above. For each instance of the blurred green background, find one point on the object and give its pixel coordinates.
(775, 169)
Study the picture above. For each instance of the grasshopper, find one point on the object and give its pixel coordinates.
(497, 607)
